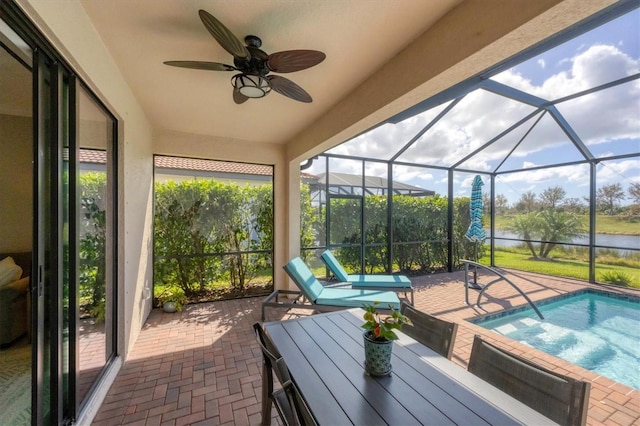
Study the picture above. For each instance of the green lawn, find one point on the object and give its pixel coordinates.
(560, 267)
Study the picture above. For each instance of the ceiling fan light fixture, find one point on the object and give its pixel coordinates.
(251, 86)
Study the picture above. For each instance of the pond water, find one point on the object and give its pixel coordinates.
(623, 241)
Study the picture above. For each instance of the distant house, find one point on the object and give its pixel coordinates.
(349, 185)
(180, 169)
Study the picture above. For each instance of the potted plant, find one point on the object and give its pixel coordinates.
(171, 298)
(378, 338)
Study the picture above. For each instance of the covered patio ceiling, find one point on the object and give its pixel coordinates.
(382, 58)
(358, 38)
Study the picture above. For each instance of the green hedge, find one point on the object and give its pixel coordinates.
(206, 231)
(420, 235)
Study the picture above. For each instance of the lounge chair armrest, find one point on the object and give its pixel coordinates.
(273, 300)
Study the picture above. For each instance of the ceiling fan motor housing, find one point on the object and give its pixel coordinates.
(256, 64)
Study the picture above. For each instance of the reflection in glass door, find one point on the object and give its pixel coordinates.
(95, 242)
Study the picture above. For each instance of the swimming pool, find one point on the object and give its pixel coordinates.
(596, 330)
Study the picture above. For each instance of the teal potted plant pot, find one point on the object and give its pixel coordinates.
(378, 339)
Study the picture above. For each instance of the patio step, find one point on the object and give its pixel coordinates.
(589, 349)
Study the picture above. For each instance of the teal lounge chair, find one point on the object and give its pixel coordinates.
(323, 298)
(397, 283)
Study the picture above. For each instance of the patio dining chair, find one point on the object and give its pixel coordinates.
(432, 332)
(560, 398)
(301, 413)
(278, 397)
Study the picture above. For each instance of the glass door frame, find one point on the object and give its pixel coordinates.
(55, 124)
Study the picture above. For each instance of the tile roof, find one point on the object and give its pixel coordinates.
(181, 163)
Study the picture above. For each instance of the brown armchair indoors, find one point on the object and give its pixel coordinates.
(14, 302)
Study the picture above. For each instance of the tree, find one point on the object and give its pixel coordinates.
(186, 229)
(502, 204)
(527, 202)
(552, 197)
(486, 203)
(557, 227)
(574, 205)
(526, 226)
(93, 227)
(548, 226)
(206, 230)
(634, 192)
(608, 196)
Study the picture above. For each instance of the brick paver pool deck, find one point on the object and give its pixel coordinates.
(202, 366)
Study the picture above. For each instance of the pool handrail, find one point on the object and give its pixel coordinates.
(501, 277)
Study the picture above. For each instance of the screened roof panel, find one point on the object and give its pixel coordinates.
(616, 129)
(352, 167)
(600, 56)
(573, 179)
(546, 145)
(494, 127)
(491, 157)
(384, 141)
(429, 179)
(476, 119)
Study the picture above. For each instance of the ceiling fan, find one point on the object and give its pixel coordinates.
(254, 64)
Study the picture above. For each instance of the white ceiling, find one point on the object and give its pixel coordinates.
(358, 37)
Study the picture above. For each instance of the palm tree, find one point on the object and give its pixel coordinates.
(557, 227)
(526, 226)
(549, 226)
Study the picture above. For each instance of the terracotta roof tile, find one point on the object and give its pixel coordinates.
(100, 157)
(212, 166)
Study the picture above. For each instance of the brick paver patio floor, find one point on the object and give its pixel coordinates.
(202, 366)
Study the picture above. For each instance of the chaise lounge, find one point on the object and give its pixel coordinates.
(324, 299)
(397, 283)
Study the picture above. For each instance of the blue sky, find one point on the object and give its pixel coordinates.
(608, 122)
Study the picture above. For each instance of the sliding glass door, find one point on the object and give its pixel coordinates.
(58, 221)
(95, 181)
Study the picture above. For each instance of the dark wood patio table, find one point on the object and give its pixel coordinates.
(325, 355)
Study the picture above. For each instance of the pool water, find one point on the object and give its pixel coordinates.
(598, 331)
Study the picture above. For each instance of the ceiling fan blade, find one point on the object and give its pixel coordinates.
(288, 88)
(294, 60)
(223, 36)
(238, 97)
(199, 65)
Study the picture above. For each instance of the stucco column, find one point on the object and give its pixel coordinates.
(292, 248)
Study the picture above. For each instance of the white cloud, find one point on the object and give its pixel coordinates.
(598, 118)
(623, 171)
